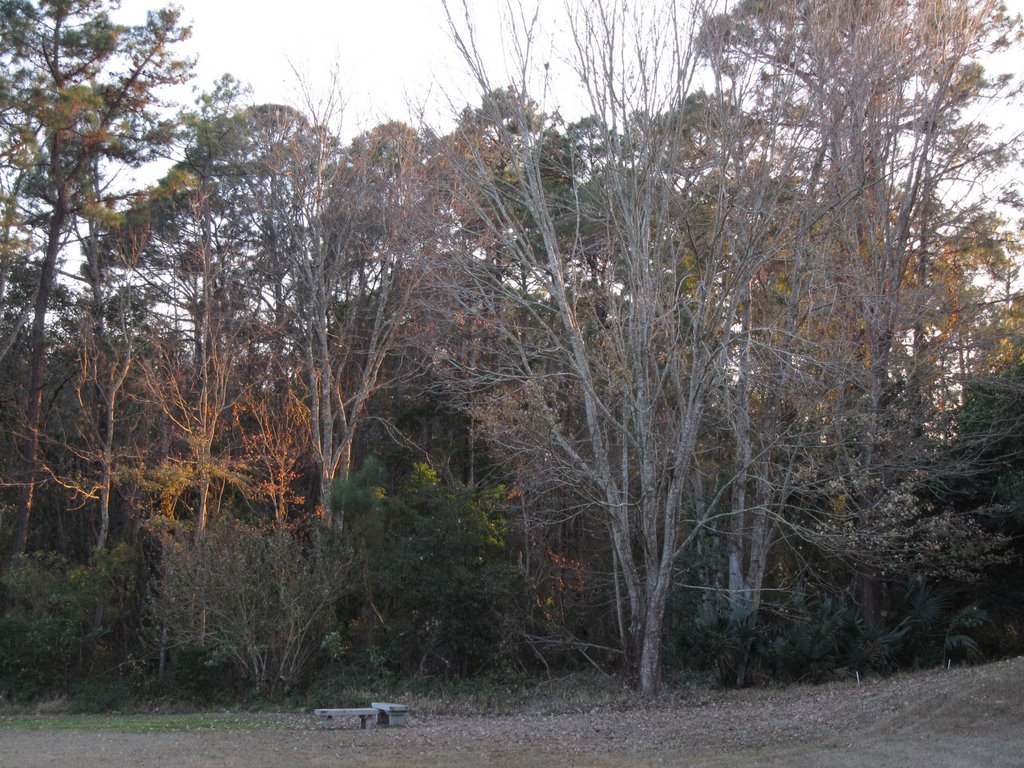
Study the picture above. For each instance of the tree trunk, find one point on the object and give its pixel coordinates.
(37, 343)
(652, 636)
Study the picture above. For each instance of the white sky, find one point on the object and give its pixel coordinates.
(388, 53)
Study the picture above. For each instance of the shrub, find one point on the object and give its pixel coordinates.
(262, 599)
(438, 585)
(63, 617)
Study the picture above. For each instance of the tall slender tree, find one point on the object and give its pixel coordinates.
(83, 92)
(614, 302)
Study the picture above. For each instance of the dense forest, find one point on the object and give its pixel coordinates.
(725, 374)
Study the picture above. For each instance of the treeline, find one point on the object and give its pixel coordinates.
(726, 374)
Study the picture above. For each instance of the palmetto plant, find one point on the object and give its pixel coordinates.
(959, 644)
(727, 638)
(811, 637)
(935, 631)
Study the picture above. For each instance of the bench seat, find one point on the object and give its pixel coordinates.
(363, 713)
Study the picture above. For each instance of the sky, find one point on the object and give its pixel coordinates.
(388, 54)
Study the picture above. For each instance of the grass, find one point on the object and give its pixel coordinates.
(958, 718)
(515, 695)
(149, 723)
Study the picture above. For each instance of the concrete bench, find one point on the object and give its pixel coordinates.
(363, 713)
(390, 714)
(384, 714)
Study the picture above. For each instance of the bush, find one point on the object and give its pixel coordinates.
(263, 600)
(439, 589)
(63, 619)
(202, 676)
(728, 640)
(815, 638)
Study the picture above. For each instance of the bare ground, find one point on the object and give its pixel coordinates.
(939, 719)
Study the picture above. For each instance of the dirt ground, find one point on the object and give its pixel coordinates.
(939, 719)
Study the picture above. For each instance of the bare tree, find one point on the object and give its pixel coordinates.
(108, 339)
(346, 215)
(189, 371)
(614, 304)
(910, 165)
(275, 437)
(742, 234)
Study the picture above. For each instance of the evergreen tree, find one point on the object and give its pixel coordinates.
(82, 93)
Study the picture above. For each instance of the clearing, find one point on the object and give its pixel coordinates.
(937, 719)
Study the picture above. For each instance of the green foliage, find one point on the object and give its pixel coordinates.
(726, 639)
(363, 493)
(439, 589)
(63, 619)
(202, 675)
(90, 82)
(960, 642)
(813, 638)
(875, 649)
(924, 609)
(990, 438)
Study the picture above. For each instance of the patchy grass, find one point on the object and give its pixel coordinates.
(569, 693)
(959, 718)
(148, 723)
